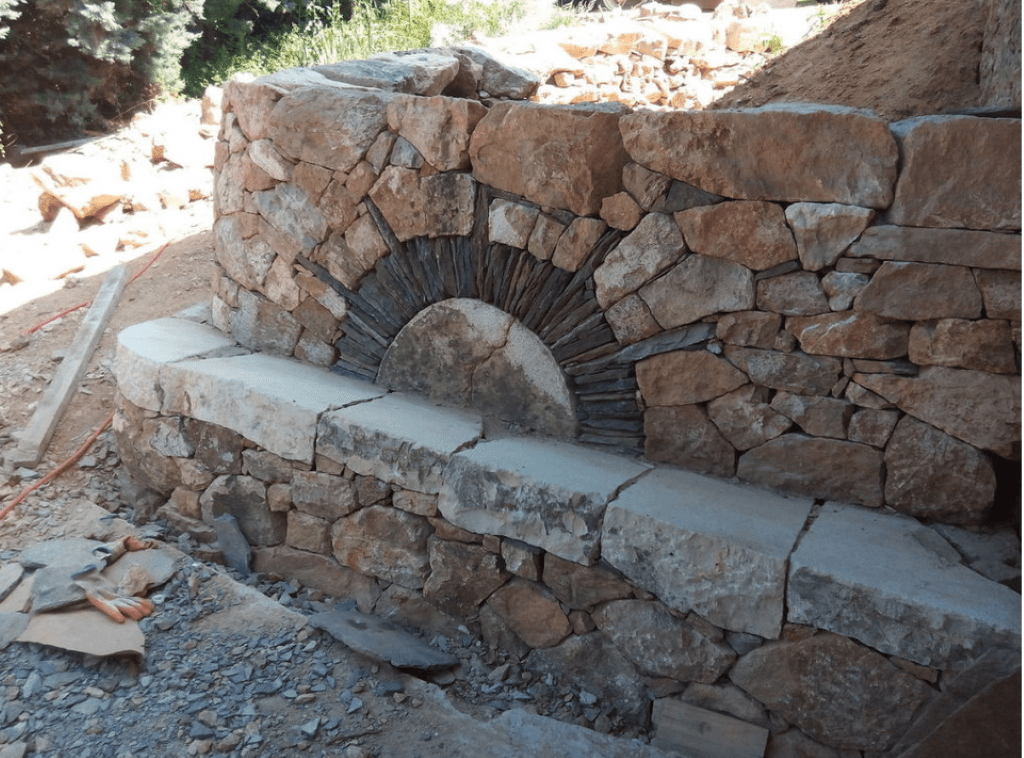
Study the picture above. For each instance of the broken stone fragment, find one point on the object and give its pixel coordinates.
(381, 639)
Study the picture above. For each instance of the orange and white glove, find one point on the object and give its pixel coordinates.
(104, 596)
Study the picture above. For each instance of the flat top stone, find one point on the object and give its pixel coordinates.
(559, 464)
(166, 340)
(381, 639)
(286, 380)
(898, 557)
(755, 518)
(406, 417)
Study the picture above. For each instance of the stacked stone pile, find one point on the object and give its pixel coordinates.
(739, 293)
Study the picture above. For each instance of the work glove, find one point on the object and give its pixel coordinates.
(104, 596)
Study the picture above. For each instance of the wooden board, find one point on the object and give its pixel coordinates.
(694, 732)
(37, 434)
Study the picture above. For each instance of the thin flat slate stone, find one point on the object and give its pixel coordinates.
(382, 640)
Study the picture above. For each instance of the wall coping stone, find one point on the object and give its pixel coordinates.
(715, 547)
(876, 576)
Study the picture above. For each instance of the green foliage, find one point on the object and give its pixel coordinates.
(773, 44)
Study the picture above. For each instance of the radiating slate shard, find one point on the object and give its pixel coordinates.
(381, 639)
(234, 546)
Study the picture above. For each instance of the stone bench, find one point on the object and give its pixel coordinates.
(402, 502)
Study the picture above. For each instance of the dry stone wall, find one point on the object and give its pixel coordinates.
(754, 294)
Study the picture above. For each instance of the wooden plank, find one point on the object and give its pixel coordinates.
(37, 434)
(698, 733)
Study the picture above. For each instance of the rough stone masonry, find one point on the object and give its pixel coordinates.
(808, 299)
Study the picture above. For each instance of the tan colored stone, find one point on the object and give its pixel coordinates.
(745, 418)
(561, 157)
(749, 328)
(425, 207)
(318, 572)
(652, 247)
(850, 334)
(308, 533)
(793, 372)
(685, 377)
(824, 230)
(785, 152)
(620, 211)
(960, 247)
(419, 503)
(842, 287)
(796, 294)
(751, 233)
(384, 542)
(920, 291)
(439, 127)
(958, 172)
(699, 286)
(872, 427)
(684, 436)
(807, 466)
(645, 186)
(798, 680)
(979, 345)
(575, 245)
(583, 587)
(279, 285)
(522, 559)
(818, 416)
(337, 205)
(1000, 291)
(545, 236)
(511, 223)
(631, 320)
(311, 178)
(462, 576)
(279, 497)
(977, 407)
(531, 612)
(931, 475)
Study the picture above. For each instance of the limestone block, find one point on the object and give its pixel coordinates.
(796, 294)
(887, 581)
(548, 494)
(749, 328)
(872, 426)
(745, 418)
(279, 285)
(350, 255)
(262, 325)
(289, 210)
(266, 156)
(133, 432)
(272, 401)
(842, 287)
(498, 78)
(919, 291)
(511, 223)
(806, 466)
(337, 206)
(652, 247)
(311, 178)
(523, 560)
(339, 124)
(438, 127)
(217, 448)
(751, 233)
(620, 211)
(325, 496)
(958, 172)
(545, 236)
(1000, 290)
(419, 73)
(252, 101)
(318, 572)
(684, 436)
(660, 644)
(430, 206)
(715, 547)
(960, 247)
(818, 416)
(645, 186)
(999, 72)
(799, 681)
(591, 663)
(244, 498)
(142, 350)
(399, 439)
(793, 372)
(576, 244)
(462, 576)
(583, 587)
(699, 286)
(246, 261)
(266, 467)
(786, 152)
(531, 613)
(306, 532)
(730, 699)
(631, 320)
(977, 407)
(979, 345)
(683, 377)
(931, 475)
(824, 230)
(850, 334)
(558, 156)
(384, 542)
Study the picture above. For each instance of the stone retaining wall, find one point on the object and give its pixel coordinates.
(751, 294)
(821, 628)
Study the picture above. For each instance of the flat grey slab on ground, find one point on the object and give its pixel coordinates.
(381, 639)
